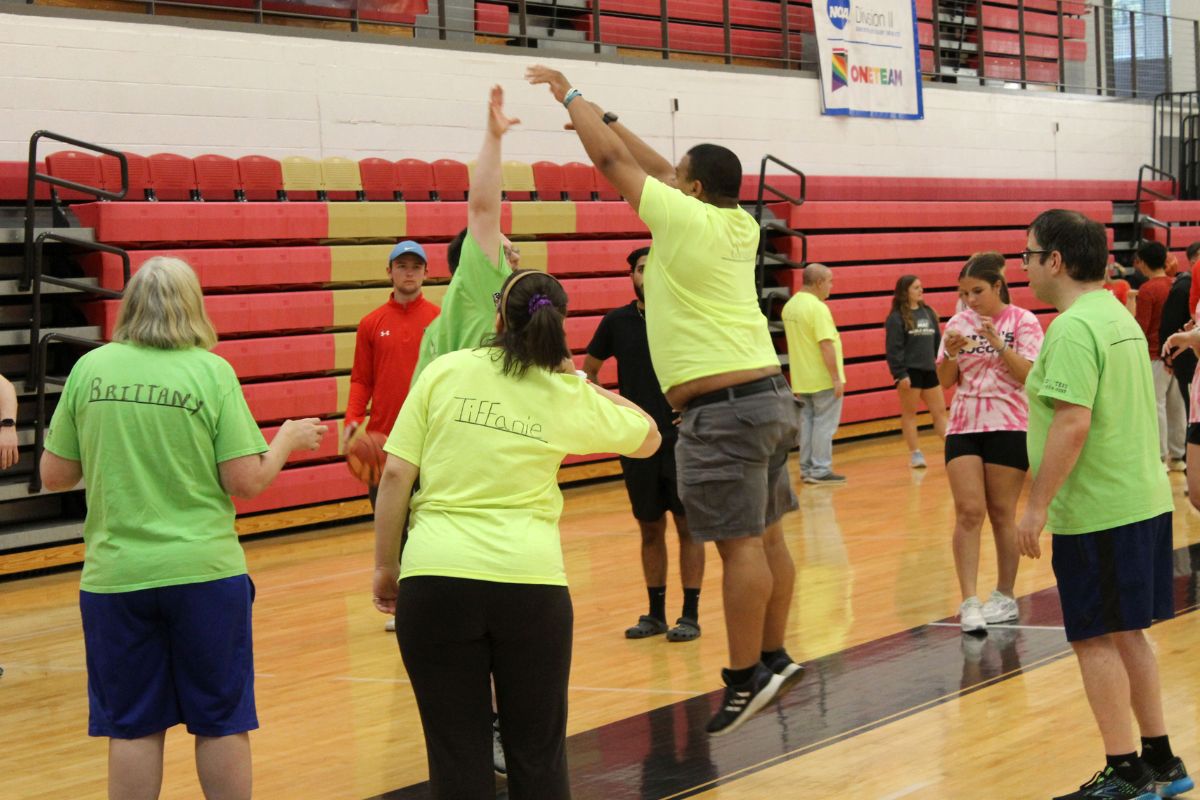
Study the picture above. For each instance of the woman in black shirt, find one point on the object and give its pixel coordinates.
(913, 337)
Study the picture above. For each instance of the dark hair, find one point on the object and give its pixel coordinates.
(718, 170)
(1081, 242)
(988, 267)
(900, 299)
(633, 257)
(1192, 250)
(454, 250)
(1153, 255)
(533, 307)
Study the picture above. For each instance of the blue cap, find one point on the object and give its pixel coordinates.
(407, 246)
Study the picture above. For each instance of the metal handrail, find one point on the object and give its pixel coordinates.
(760, 267)
(35, 324)
(33, 177)
(1142, 190)
(39, 431)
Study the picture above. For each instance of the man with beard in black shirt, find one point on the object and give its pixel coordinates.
(650, 482)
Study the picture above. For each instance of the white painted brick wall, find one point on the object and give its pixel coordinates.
(154, 88)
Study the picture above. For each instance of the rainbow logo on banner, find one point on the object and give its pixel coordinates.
(840, 70)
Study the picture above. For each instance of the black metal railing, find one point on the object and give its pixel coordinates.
(1189, 149)
(1170, 110)
(34, 177)
(1131, 51)
(39, 430)
(1145, 192)
(776, 226)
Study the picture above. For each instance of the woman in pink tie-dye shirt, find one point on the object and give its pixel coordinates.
(987, 350)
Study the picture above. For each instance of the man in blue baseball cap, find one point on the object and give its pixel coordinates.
(388, 343)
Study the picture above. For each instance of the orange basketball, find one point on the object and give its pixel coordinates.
(365, 456)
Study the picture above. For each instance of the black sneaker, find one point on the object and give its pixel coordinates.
(1172, 779)
(831, 479)
(783, 666)
(745, 700)
(1108, 785)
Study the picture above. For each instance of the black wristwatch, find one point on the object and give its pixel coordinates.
(7, 422)
(609, 118)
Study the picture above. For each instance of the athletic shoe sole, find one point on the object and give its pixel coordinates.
(1012, 618)
(756, 704)
(1176, 787)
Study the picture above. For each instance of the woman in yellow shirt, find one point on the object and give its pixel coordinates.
(482, 592)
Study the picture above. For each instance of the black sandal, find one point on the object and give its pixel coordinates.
(685, 630)
(646, 626)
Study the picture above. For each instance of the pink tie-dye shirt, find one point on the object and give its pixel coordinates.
(1194, 401)
(988, 397)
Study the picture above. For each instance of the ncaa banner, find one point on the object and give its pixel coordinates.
(870, 59)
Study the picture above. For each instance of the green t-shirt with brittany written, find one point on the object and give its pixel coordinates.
(1094, 355)
(150, 427)
(489, 447)
(702, 311)
(468, 315)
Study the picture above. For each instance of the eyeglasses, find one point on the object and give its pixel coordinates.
(1027, 253)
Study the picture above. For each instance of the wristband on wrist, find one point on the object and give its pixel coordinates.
(571, 95)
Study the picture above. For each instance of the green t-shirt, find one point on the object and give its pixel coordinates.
(150, 427)
(1094, 355)
(807, 322)
(489, 447)
(702, 312)
(468, 314)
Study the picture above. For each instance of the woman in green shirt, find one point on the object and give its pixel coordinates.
(482, 591)
(160, 430)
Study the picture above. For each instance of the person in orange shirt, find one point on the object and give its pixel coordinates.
(1151, 261)
(389, 339)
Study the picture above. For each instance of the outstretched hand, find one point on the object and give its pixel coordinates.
(498, 121)
(1180, 341)
(558, 83)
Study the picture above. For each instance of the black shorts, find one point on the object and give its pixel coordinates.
(1115, 580)
(1004, 448)
(1193, 433)
(652, 483)
(923, 378)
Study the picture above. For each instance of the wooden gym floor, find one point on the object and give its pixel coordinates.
(896, 702)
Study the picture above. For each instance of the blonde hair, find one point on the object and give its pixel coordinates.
(164, 308)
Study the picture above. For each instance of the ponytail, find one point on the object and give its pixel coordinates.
(533, 309)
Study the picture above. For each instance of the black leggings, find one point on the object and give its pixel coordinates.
(456, 635)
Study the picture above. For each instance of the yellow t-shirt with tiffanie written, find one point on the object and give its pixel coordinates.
(488, 447)
(702, 312)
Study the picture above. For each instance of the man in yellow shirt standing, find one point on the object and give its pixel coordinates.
(716, 363)
(818, 378)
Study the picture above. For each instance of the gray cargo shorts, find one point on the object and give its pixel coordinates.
(732, 459)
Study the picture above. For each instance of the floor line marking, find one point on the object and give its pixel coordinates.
(1002, 626)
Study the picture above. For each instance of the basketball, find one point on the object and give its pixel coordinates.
(365, 456)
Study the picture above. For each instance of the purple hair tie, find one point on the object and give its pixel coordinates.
(539, 301)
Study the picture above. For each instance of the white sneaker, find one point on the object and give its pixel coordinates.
(917, 460)
(390, 625)
(999, 608)
(971, 615)
(498, 763)
(1177, 465)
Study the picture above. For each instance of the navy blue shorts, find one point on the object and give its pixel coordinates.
(159, 657)
(1115, 580)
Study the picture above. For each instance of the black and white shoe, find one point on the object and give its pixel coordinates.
(743, 701)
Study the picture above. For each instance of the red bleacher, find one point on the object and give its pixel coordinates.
(286, 282)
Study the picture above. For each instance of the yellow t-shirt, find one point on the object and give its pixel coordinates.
(807, 322)
(702, 313)
(489, 447)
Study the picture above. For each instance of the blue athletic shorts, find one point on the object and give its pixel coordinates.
(159, 657)
(1115, 580)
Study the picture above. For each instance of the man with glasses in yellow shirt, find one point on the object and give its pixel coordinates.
(717, 364)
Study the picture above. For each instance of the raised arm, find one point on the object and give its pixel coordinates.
(604, 147)
(483, 201)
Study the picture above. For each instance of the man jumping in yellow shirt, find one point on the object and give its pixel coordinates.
(716, 362)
